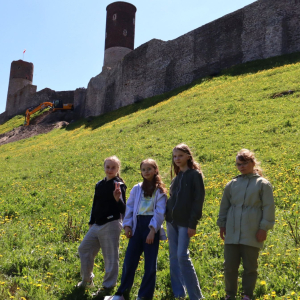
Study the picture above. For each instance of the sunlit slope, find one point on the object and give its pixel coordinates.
(12, 123)
(45, 178)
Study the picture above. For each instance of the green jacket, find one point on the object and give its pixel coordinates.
(184, 207)
(247, 205)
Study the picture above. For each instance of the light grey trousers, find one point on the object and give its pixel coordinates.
(233, 253)
(106, 237)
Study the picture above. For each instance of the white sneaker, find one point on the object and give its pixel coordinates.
(86, 284)
(115, 297)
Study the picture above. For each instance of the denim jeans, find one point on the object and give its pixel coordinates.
(182, 271)
(136, 246)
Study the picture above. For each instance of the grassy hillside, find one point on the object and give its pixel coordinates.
(47, 182)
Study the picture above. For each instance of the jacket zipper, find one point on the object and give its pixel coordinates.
(244, 203)
(177, 196)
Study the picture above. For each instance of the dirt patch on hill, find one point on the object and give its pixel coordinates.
(42, 124)
(25, 132)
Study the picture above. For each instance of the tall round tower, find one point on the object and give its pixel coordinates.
(119, 36)
(21, 74)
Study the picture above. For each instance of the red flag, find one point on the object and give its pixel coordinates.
(24, 51)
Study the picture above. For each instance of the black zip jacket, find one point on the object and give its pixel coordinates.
(184, 207)
(105, 208)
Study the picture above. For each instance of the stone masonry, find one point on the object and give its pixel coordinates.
(28, 97)
(263, 29)
(260, 30)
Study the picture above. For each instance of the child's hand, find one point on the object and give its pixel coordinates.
(117, 191)
(191, 232)
(150, 237)
(128, 232)
(261, 235)
(222, 233)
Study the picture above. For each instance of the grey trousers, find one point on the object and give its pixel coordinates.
(233, 253)
(106, 237)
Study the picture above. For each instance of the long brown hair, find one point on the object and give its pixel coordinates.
(157, 183)
(247, 155)
(118, 162)
(192, 164)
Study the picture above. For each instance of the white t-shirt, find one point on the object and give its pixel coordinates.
(147, 205)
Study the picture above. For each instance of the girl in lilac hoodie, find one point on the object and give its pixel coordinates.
(144, 216)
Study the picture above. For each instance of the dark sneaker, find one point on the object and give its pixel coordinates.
(104, 291)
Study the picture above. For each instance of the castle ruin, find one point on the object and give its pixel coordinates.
(263, 29)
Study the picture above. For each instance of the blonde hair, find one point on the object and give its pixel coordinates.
(247, 155)
(192, 164)
(149, 187)
(115, 159)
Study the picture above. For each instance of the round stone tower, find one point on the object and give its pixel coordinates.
(21, 74)
(119, 36)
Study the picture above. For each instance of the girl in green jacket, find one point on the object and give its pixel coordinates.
(184, 210)
(247, 212)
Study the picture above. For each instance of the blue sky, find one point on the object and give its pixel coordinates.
(64, 39)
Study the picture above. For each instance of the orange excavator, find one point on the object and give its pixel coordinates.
(56, 105)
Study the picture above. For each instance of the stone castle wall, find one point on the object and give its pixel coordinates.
(28, 97)
(263, 29)
(3, 117)
(260, 30)
(18, 102)
(79, 101)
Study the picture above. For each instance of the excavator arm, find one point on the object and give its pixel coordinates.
(56, 105)
(30, 112)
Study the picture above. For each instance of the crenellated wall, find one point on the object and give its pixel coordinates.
(260, 30)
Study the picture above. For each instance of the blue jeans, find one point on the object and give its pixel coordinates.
(182, 271)
(136, 246)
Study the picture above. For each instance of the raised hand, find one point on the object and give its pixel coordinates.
(117, 191)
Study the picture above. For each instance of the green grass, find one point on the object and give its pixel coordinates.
(12, 123)
(49, 177)
(18, 121)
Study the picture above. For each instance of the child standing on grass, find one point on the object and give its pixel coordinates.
(247, 211)
(184, 210)
(144, 216)
(105, 228)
